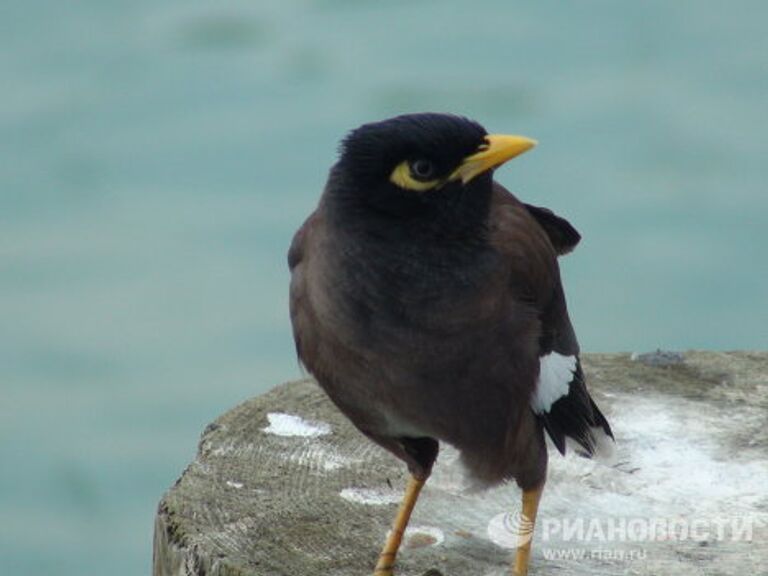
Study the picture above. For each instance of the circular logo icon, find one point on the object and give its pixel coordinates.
(510, 530)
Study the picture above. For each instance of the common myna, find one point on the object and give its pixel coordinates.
(426, 300)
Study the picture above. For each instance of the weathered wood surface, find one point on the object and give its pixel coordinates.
(269, 494)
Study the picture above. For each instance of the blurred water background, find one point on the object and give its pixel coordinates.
(155, 158)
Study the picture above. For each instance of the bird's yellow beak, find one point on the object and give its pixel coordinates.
(498, 149)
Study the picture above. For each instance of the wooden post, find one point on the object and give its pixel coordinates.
(284, 485)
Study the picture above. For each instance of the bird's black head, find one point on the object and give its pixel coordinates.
(421, 164)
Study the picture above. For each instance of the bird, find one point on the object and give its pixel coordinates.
(427, 302)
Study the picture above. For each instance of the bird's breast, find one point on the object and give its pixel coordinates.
(413, 294)
(395, 331)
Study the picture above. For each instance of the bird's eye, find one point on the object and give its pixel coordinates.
(422, 169)
(415, 175)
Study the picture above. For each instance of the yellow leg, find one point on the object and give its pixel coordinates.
(386, 563)
(530, 507)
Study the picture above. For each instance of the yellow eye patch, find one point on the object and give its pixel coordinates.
(401, 176)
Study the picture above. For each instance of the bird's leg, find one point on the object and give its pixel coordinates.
(525, 537)
(386, 563)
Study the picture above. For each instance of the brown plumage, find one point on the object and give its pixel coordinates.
(425, 298)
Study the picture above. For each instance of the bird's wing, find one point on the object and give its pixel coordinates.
(296, 251)
(299, 306)
(563, 236)
(530, 241)
(528, 252)
(561, 399)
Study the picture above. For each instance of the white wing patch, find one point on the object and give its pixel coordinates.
(555, 374)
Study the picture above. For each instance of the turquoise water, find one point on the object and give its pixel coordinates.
(155, 158)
